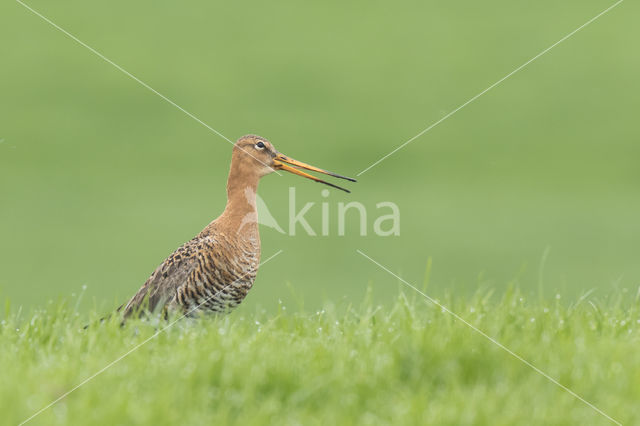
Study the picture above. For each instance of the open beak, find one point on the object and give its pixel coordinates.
(282, 162)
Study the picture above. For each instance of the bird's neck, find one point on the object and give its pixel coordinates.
(240, 215)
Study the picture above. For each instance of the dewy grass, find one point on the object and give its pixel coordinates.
(406, 362)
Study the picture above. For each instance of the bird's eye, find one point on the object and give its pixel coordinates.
(260, 145)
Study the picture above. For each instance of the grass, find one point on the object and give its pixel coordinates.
(405, 362)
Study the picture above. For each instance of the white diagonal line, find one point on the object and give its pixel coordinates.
(77, 40)
(492, 86)
(121, 357)
(128, 74)
(494, 341)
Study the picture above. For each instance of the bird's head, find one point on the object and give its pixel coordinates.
(255, 154)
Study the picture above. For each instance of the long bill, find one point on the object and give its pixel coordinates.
(282, 162)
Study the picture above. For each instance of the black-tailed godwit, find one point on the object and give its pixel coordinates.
(215, 270)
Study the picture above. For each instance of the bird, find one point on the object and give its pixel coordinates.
(214, 271)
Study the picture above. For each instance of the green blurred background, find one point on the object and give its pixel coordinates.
(100, 179)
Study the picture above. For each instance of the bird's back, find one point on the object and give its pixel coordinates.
(212, 272)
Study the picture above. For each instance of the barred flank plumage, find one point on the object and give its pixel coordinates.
(207, 273)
